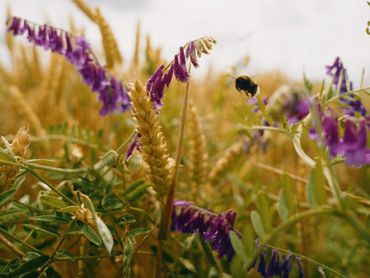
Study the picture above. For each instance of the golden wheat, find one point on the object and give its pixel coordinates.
(198, 155)
(226, 161)
(154, 147)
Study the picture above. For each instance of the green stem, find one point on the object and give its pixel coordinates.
(20, 241)
(57, 170)
(49, 185)
(11, 247)
(171, 191)
(125, 143)
(338, 96)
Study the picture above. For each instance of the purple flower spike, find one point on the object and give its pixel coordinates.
(211, 227)
(336, 70)
(14, 25)
(78, 52)
(179, 70)
(300, 267)
(354, 146)
(352, 105)
(330, 129)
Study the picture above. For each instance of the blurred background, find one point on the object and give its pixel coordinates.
(286, 35)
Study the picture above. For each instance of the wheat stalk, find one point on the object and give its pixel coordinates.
(154, 147)
(27, 109)
(225, 162)
(198, 154)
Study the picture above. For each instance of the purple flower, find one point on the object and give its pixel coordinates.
(78, 52)
(290, 102)
(353, 145)
(352, 105)
(212, 228)
(162, 77)
(330, 130)
(275, 267)
(298, 110)
(336, 70)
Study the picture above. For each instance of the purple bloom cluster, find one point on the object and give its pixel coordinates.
(337, 70)
(276, 266)
(212, 228)
(178, 67)
(162, 77)
(353, 145)
(78, 52)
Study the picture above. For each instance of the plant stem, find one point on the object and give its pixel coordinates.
(49, 185)
(171, 191)
(11, 247)
(20, 241)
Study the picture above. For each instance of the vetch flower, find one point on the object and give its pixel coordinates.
(178, 67)
(112, 93)
(212, 228)
(338, 72)
(353, 145)
(276, 266)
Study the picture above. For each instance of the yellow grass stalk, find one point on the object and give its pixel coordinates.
(154, 148)
(85, 9)
(22, 103)
(225, 162)
(112, 54)
(9, 38)
(198, 154)
(135, 58)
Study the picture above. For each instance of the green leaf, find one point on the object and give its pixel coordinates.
(257, 224)
(89, 233)
(238, 246)
(135, 191)
(264, 208)
(52, 201)
(315, 192)
(286, 199)
(69, 209)
(139, 231)
(209, 254)
(105, 234)
(5, 157)
(6, 195)
(30, 266)
(111, 202)
(126, 218)
(49, 219)
(187, 264)
(41, 230)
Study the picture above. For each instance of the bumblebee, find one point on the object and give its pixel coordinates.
(246, 84)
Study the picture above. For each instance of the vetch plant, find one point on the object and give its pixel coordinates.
(268, 180)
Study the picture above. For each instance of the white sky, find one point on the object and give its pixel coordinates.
(290, 35)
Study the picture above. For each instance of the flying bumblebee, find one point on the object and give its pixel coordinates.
(246, 84)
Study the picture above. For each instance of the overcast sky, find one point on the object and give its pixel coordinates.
(293, 36)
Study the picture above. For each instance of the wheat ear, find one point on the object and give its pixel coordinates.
(153, 145)
(224, 163)
(198, 154)
(112, 53)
